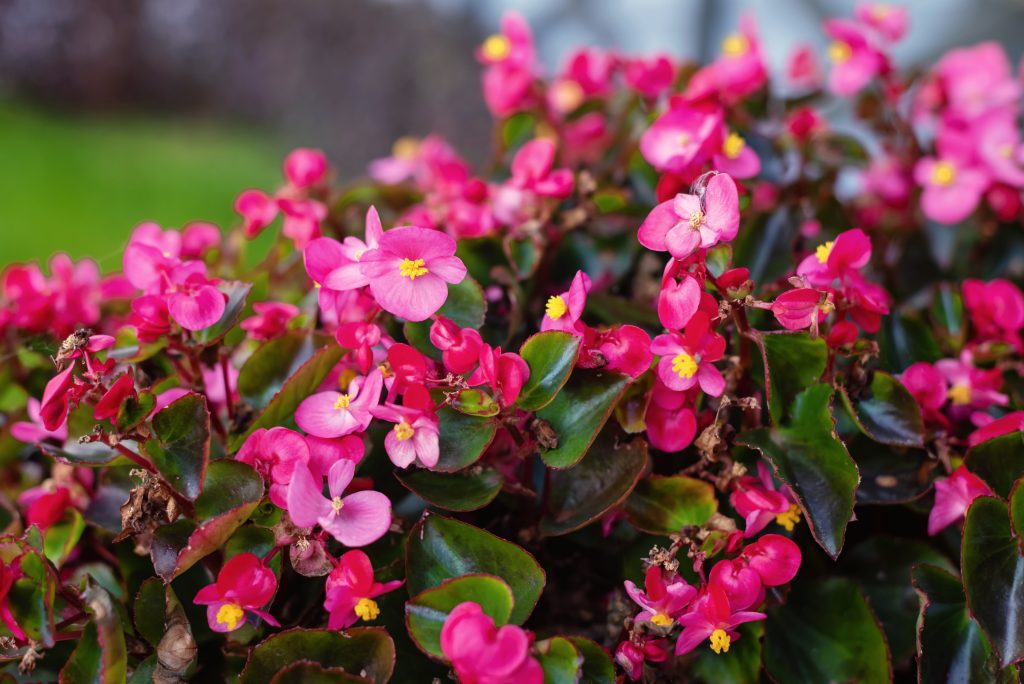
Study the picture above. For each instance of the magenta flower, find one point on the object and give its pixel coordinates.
(480, 653)
(109, 404)
(687, 358)
(511, 66)
(410, 270)
(358, 519)
(776, 559)
(650, 77)
(671, 421)
(503, 372)
(888, 21)
(257, 209)
(626, 348)
(460, 347)
(335, 265)
(271, 320)
(33, 430)
(712, 617)
(351, 589)
(977, 79)
(1011, 422)
(836, 259)
(952, 189)
(663, 599)
(682, 138)
(244, 585)
(801, 308)
(737, 158)
(532, 178)
(759, 501)
(927, 385)
(739, 71)
(996, 309)
(691, 222)
(855, 59)
(304, 167)
(679, 298)
(953, 496)
(334, 414)
(563, 311)
(971, 387)
(360, 338)
(275, 453)
(302, 219)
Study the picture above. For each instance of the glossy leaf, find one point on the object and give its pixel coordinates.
(31, 597)
(999, 461)
(236, 292)
(560, 660)
(426, 612)
(665, 505)
(475, 402)
(887, 412)
(440, 548)
(265, 372)
(466, 490)
(601, 481)
(100, 655)
(742, 664)
(551, 357)
(992, 571)
(890, 474)
(578, 413)
(61, 538)
(149, 609)
(793, 362)
(134, 410)
(181, 448)
(904, 340)
(825, 632)
(365, 651)
(463, 439)
(597, 663)
(807, 455)
(308, 672)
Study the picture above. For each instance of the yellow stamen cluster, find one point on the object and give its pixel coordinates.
(337, 504)
(404, 431)
(662, 620)
(567, 95)
(367, 609)
(839, 51)
(496, 47)
(823, 252)
(556, 307)
(790, 518)
(412, 269)
(943, 173)
(735, 45)
(342, 402)
(733, 145)
(720, 641)
(229, 615)
(696, 219)
(684, 365)
(405, 147)
(960, 394)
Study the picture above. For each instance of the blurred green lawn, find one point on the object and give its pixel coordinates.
(80, 184)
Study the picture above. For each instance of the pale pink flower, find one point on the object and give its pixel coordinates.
(358, 519)
(334, 414)
(691, 222)
(953, 496)
(563, 311)
(305, 167)
(855, 59)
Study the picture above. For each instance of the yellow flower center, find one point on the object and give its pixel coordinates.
(943, 173)
(733, 145)
(230, 614)
(880, 12)
(405, 147)
(960, 394)
(567, 96)
(1006, 151)
(720, 641)
(696, 219)
(404, 431)
(790, 518)
(337, 504)
(824, 251)
(367, 609)
(735, 45)
(342, 403)
(662, 620)
(556, 307)
(839, 51)
(683, 139)
(412, 269)
(496, 47)
(684, 365)
(346, 377)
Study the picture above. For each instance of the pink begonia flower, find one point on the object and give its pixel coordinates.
(592, 70)
(67, 300)
(867, 302)
(712, 617)
(953, 496)
(626, 349)
(737, 72)
(952, 189)
(563, 311)
(737, 158)
(408, 370)
(803, 71)
(460, 347)
(257, 209)
(271, 320)
(334, 265)
(214, 384)
(888, 21)
(691, 222)
(192, 300)
(999, 146)
(759, 501)
(837, 258)
(664, 598)
(33, 430)
(150, 317)
(334, 414)
(977, 79)
(678, 299)
(996, 309)
(585, 139)
(682, 138)
(687, 358)
(671, 421)
(771, 561)
(650, 76)
(503, 372)
(926, 384)
(325, 452)
(855, 59)
(532, 177)
(480, 653)
(511, 66)
(631, 657)
(409, 271)
(514, 45)
(971, 387)
(415, 436)
(275, 453)
(741, 583)
(360, 338)
(1011, 422)
(801, 308)
(197, 238)
(57, 398)
(887, 179)
(109, 404)
(167, 242)
(302, 219)
(305, 167)
(358, 519)
(244, 585)
(351, 589)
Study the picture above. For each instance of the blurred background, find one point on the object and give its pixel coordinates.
(113, 112)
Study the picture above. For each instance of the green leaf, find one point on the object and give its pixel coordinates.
(551, 357)
(89, 455)
(101, 655)
(426, 612)
(999, 462)
(465, 306)
(808, 456)
(60, 539)
(890, 474)
(517, 129)
(578, 413)
(307, 672)
(364, 651)
(135, 410)
(793, 362)
(31, 597)
(950, 645)
(265, 372)
(181, 450)
(231, 493)
(467, 490)
(150, 607)
(440, 548)
(598, 483)
(665, 505)
(597, 663)
(887, 412)
(560, 660)
(463, 439)
(741, 665)
(904, 340)
(1017, 511)
(474, 402)
(825, 632)
(237, 292)
(992, 570)
(280, 410)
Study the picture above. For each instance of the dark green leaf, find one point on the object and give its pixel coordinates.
(665, 505)
(61, 538)
(426, 612)
(134, 410)
(992, 571)
(793, 362)
(999, 461)
(1017, 511)
(560, 660)
(365, 651)
(597, 664)
(904, 340)
(598, 483)
(551, 357)
(887, 413)
(578, 413)
(742, 663)
(150, 606)
(441, 548)
(31, 597)
(308, 672)
(825, 632)
(808, 456)
(466, 490)
(101, 655)
(463, 439)
(237, 292)
(181, 450)
(890, 474)
(265, 372)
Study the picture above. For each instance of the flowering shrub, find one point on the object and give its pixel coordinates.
(699, 383)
